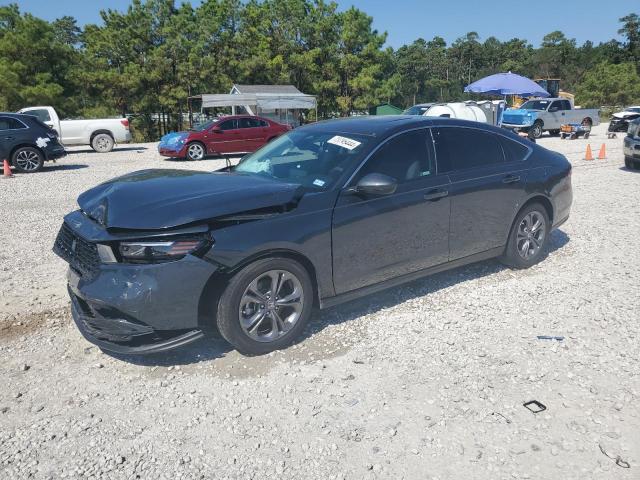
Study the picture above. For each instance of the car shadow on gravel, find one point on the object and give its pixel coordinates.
(626, 169)
(63, 167)
(418, 288)
(205, 349)
(115, 149)
(211, 348)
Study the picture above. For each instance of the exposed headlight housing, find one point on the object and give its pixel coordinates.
(155, 251)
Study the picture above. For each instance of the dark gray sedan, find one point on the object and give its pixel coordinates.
(324, 214)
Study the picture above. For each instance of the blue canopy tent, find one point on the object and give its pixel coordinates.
(503, 84)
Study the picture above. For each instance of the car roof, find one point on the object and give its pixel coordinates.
(386, 125)
(16, 115)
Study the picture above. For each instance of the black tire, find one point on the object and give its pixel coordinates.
(536, 130)
(102, 143)
(232, 308)
(196, 151)
(512, 255)
(27, 160)
(554, 133)
(628, 163)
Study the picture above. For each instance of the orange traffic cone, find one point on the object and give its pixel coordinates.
(7, 169)
(589, 154)
(603, 152)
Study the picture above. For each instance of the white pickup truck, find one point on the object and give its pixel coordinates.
(548, 114)
(102, 133)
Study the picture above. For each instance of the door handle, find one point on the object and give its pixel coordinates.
(511, 179)
(8, 138)
(433, 195)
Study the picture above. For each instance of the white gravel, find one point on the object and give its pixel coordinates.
(424, 381)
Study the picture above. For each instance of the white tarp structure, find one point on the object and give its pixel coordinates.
(263, 101)
(282, 103)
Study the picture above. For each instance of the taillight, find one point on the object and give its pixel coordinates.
(125, 122)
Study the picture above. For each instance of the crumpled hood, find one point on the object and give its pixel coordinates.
(163, 198)
(624, 114)
(174, 140)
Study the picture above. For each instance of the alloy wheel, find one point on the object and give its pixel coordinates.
(195, 151)
(27, 161)
(531, 234)
(271, 305)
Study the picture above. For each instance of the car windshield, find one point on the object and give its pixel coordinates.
(535, 105)
(633, 109)
(308, 158)
(204, 126)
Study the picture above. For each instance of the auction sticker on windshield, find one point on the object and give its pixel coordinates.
(344, 142)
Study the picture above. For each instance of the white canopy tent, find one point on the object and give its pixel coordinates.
(263, 101)
(279, 102)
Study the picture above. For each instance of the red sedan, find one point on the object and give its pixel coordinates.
(221, 136)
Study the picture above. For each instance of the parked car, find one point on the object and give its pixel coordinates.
(27, 143)
(221, 136)
(324, 214)
(547, 115)
(419, 109)
(101, 133)
(632, 145)
(620, 120)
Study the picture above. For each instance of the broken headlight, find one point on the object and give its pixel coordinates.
(160, 251)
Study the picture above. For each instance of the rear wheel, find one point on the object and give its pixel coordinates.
(102, 143)
(265, 306)
(528, 237)
(27, 159)
(195, 151)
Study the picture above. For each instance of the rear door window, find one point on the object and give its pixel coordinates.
(8, 123)
(459, 148)
(514, 151)
(405, 158)
(249, 123)
(41, 114)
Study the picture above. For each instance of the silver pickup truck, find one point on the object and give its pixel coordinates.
(101, 133)
(539, 115)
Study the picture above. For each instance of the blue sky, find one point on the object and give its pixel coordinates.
(406, 20)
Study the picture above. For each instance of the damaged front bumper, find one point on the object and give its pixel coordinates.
(123, 335)
(131, 308)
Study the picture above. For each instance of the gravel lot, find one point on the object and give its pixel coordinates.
(424, 381)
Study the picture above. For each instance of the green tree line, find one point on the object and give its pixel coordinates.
(150, 58)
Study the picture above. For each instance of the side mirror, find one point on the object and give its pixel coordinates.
(375, 184)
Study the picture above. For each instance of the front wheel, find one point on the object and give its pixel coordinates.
(27, 159)
(528, 237)
(195, 151)
(265, 306)
(536, 130)
(102, 143)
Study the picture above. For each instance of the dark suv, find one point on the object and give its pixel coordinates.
(27, 142)
(632, 145)
(323, 214)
